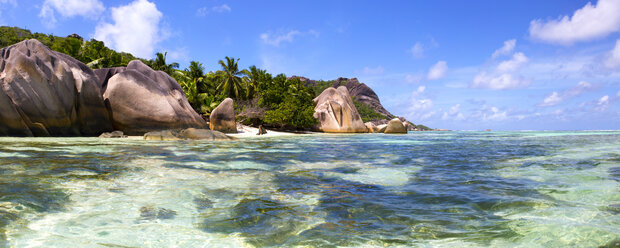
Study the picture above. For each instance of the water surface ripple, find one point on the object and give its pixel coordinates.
(423, 189)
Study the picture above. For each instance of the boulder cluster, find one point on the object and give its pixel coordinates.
(47, 93)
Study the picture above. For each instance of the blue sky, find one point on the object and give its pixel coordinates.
(462, 65)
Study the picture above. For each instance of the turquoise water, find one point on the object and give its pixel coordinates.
(424, 189)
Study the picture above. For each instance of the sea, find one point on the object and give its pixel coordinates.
(421, 189)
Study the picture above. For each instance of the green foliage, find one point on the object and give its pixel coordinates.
(291, 107)
(367, 113)
(160, 64)
(321, 85)
(92, 53)
(229, 80)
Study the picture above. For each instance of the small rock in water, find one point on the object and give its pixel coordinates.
(115, 134)
(203, 203)
(261, 130)
(151, 213)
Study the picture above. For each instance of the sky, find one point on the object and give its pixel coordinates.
(460, 65)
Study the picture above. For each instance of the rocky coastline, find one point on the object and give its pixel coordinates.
(47, 93)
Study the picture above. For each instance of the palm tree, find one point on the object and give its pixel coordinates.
(229, 80)
(159, 63)
(254, 75)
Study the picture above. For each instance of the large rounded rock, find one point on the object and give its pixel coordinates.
(223, 117)
(336, 113)
(395, 126)
(46, 93)
(142, 100)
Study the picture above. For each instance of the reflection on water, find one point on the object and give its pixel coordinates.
(471, 189)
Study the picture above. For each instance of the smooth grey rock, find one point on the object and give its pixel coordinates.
(395, 126)
(222, 118)
(46, 93)
(336, 112)
(142, 100)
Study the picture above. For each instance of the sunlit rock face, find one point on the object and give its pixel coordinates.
(336, 113)
(395, 126)
(141, 100)
(223, 117)
(46, 93)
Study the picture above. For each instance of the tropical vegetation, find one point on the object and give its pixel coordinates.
(260, 97)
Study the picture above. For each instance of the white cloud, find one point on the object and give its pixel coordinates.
(69, 8)
(602, 103)
(437, 71)
(518, 60)
(502, 77)
(588, 23)
(493, 114)
(551, 100)
(556, 97)
(453, 113)
(276, 39)
(135, 28)
(508, 47)
(499, 82)
(224, 8)
(417, 50)
(419, 107)
(613, 59)
(373, 71)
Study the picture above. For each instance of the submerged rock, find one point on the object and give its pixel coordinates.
(203, 134)
(395, 126)
(223, 117)
(187, 134)
(47, 93)
(115, 134)
(151, 213)
(161, 135)
(141, 100)
(336, 112)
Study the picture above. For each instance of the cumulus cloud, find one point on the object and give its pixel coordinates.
(419, 107)
(417, 50)
(555, 98)
(135, 28)
(588, 23)
(613, 58)
(503, 81)
(508, 47)
(517, 60)
(503, 76)
(69, 8)
(551, 100)
(373, 71)
(437, 71)
(224, 8)
(602, 103)
(454, 113)
(276, 39)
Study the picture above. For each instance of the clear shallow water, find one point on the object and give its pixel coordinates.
(424, 189)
